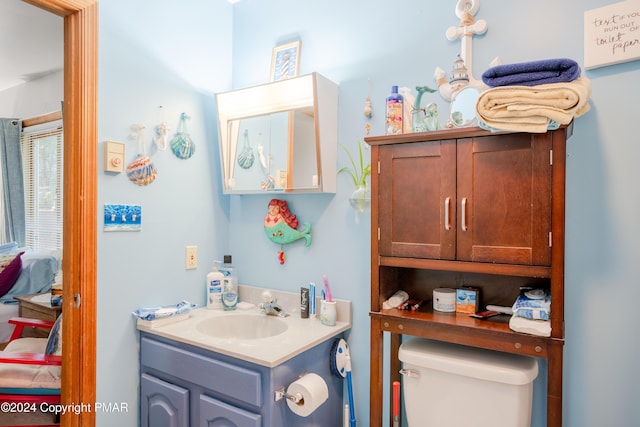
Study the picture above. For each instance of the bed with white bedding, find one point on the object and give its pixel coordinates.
(37, 274)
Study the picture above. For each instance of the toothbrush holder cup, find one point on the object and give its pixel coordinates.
(328, 313)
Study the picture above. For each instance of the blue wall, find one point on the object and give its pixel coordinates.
(174, 57)
(177, 56)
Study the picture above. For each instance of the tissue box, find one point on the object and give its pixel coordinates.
(467, 300)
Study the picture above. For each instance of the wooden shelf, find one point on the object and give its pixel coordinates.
(467, 267)
(460, 328)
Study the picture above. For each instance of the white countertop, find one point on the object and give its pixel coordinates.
(301, 334)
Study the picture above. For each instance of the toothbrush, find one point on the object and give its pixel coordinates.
(327, 290)
(312, 299)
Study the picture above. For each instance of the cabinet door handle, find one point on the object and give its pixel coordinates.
(447, 202)
(464, 214)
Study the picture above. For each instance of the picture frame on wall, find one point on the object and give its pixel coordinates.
(285, 61)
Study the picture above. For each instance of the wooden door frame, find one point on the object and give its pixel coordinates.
(79, 253)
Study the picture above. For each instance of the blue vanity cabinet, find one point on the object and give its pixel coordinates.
(185, 385)
(216, 411)
(163, 403)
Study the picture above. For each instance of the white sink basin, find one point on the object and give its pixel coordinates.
(242, 326)
(250, 335)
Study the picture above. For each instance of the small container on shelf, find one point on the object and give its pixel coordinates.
(467, 299)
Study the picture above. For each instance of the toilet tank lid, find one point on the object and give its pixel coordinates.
(467, 361)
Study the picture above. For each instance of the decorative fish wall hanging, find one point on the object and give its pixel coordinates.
(281, 226)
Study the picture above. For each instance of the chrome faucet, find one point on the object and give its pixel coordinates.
(270, 307)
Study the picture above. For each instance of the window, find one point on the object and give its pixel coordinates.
(42, 157)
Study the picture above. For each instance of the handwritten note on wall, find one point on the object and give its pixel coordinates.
(612, 34)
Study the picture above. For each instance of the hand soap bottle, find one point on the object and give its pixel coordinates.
(229, 285)
(214, 287)
(394, 113)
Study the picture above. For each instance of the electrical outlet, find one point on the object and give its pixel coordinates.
(191, 257)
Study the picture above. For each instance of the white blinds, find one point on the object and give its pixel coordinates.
(42, 156)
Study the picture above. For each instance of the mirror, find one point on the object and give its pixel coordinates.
(279, 137)
(463, 107)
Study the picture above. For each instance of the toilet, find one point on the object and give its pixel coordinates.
(450, 385)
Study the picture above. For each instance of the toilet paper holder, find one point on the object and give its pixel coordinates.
(281, 393)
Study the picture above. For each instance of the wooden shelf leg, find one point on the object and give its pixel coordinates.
(376, 371)
(554, 385)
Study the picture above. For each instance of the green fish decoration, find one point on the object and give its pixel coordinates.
(280, 225)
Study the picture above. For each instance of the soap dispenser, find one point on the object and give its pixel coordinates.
(229, 285)
(214, 287)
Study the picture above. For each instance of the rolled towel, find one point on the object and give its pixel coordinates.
(560, 70)
(533, 108)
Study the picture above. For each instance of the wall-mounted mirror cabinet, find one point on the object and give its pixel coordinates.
(280, 136)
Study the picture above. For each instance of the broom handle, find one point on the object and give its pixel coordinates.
(352, 411)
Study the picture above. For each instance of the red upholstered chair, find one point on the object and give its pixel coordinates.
(30, 368)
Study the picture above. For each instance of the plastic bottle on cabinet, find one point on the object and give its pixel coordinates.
(394, 113)
(229, 285)
(214, 287)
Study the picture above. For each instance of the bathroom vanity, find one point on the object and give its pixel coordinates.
(467, 207)
(199, 371)
(182, 385)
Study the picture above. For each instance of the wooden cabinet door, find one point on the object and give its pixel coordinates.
(417, 193)
(504, 199)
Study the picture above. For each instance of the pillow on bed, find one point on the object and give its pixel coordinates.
(10, 268)
(37, 275)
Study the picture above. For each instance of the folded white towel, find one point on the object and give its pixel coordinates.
(532, 108)
(540, 328)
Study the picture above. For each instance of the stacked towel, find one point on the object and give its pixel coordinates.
(533, 108)
(561, 70)
(531, 312)
(541, 328)
(533, 304)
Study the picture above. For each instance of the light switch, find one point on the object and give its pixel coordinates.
(113, 156)
(281, 178)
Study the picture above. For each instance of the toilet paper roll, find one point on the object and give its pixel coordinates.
(312, 391)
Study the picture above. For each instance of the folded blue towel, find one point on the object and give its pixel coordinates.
(533, 73)
(533, 304)
(152, 313)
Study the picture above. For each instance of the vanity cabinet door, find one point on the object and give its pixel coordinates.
(504, 199)
(214, 412)
(417, 200)
(163, 404)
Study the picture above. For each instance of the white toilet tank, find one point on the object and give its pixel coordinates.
(450, 385)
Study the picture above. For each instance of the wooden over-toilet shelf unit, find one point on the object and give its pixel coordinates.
(467, 207)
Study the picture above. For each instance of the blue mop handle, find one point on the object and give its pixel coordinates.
(352, 411)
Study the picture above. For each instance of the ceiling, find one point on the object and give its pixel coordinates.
(31, 43)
